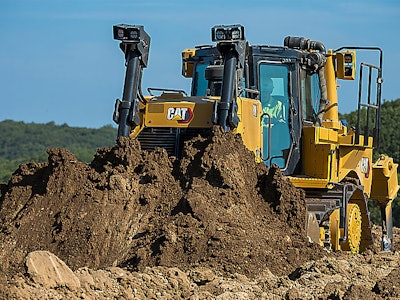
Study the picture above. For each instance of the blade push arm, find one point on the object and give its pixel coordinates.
(135, 43)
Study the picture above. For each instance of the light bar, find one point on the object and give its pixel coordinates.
(227, 33)
(127, 33)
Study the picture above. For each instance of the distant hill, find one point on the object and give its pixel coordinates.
(23, 142)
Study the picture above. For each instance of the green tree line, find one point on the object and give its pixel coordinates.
(389, 130)
(23, 142)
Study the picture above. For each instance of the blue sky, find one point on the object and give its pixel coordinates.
(59, 62)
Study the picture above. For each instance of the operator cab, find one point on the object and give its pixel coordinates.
(290, 95)
(288, 91)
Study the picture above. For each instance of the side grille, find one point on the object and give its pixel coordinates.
(151, 138)
(171, 139)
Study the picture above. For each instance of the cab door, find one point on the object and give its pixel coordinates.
(274, 83)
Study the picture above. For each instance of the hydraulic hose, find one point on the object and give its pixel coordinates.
(324, 96)
(304, 44)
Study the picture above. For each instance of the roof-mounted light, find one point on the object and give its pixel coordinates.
(127, 33)
(227, 33)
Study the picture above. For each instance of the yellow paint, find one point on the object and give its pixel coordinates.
(334, 229)
(187, 66)
(331, 116)
(249, 113)
(385, 181)
(157, 114)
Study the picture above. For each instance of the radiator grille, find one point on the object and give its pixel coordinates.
(171, 139)
(151, 138)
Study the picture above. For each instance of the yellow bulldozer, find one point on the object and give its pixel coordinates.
(283, 101)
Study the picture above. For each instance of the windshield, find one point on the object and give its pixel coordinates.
(200, 84)
(274, 97)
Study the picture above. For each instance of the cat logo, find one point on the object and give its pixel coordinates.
(180, 114)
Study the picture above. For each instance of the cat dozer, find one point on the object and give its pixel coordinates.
(283, 101)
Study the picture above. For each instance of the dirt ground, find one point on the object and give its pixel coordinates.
(139, 225)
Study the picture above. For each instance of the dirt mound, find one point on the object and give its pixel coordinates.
(214, 208)
(139, 225)
(223, 219)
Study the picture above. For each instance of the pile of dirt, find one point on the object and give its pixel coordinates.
(214, 208)
(190, 225)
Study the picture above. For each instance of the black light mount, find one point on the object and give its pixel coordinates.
(231, 43)
(228, 38)
(135, 43)
(133, 38)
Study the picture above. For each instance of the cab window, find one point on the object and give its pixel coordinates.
(200, 84)
(310, 95)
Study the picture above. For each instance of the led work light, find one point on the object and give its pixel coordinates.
(127, 33)
(222, 33)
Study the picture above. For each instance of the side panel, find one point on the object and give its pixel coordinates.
(179, 114)
(325, 157)
(249, 112)
(319, 155)
(384, 180)
(356, 160)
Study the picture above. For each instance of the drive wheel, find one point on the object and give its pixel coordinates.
(354, 233)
